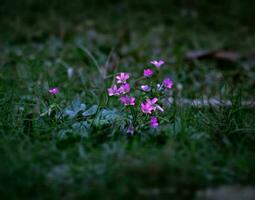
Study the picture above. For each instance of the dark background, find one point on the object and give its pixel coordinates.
(215, 15)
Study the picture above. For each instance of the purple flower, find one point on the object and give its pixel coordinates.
(154, 122)
(152, 103)
(53, 91)
(125, 88)
(126, 100)
(147, 72)
(113, 91)
(149, 106)
(122, 77)
(145, 107)
(168, 83)
(145, 88)
(157, 63)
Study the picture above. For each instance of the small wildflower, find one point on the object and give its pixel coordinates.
(53, 91)
(168, 83)
(126, 100)
(113, 91)
(122, 77)
(147, 72)
(157, 63)
(152, 103)
(154, 122)
(145, 108)
(125, 88)
(149, 106)
(145, 88)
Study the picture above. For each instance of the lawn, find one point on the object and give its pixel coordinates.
(75, 145)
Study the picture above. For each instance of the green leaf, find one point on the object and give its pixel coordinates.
(106, 117)
(91, 111)
(110, 115)
(75, 108)
(82, 128)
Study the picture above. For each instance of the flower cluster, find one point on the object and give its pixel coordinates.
(148, 106)
(122, 89)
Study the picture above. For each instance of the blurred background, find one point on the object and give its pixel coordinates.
(207, 43)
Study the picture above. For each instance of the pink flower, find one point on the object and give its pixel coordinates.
(145, 88)
(152, 103)
(126, 100)
(154, 122)
(113, 91)
(149, 106)
(168, 83)
(122, 77)
(147, 72)
(145, 107)
(157, 63)
(53, 91)
(125, 88)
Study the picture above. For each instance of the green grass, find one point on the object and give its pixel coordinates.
(43, 157)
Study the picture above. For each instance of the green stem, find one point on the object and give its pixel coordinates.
(133, 114)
